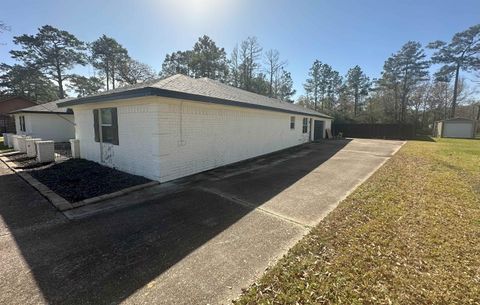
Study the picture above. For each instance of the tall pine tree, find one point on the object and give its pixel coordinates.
(52, 51)
(462, 53)
(357, 85)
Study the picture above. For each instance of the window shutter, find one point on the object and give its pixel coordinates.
(114, 126)
(96, 125)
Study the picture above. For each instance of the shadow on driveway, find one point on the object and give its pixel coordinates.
(106, 258)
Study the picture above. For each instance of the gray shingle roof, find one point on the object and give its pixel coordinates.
(50, 107)
(197, 89)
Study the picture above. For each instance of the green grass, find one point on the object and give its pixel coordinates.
(4, 148)
(409, 235)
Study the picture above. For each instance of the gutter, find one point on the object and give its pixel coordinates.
(45, 112)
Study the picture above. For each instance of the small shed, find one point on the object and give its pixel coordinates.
(46, 121)
(455, 128)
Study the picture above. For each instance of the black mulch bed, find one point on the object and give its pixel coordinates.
(78, 179)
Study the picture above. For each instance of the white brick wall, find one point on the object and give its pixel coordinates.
(59, 128)
(137, 152)
(164, 139)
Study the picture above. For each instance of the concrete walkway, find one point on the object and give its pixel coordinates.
(195, 241)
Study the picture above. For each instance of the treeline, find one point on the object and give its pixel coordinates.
(47, 58)
(405, 92)
(247, 67)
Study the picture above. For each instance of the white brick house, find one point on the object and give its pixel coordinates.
(46, 121)
(179, 126)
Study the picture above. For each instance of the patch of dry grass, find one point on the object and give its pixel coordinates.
(409, 235)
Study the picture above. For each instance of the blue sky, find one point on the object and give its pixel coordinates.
(340, 33)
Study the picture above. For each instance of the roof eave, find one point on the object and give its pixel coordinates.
(152, 91)
(44, 112)
(141, 92)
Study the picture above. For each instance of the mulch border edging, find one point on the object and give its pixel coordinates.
(113, 194)
(61, 203)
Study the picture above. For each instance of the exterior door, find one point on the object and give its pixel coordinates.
(318, 130)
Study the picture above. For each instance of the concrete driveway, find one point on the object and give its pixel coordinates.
(194, 241)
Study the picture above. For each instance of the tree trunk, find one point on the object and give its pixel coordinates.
(403, 110)
(403, 107)
(395, 105)
(415, 125)
(107, 74)
(61, 93)
(355, 106)
(271, 83)
(60, 88)
(455, 88)
(445, 116)
(424, 109)
(113, 76)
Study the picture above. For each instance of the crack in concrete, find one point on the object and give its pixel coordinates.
(252, 206)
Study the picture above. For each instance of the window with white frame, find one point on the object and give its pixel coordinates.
(106, 125)
(292, 122)
(305, 125)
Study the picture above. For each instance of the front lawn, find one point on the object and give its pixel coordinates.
(408, 235)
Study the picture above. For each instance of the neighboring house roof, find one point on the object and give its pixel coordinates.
(16, 97)
(50, 107)
(196, 89)
(13, 103)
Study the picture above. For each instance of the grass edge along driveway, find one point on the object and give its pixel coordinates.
(409, 235)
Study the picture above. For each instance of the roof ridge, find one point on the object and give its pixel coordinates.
(172, 78)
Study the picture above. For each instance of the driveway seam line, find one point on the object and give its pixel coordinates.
(250, 205)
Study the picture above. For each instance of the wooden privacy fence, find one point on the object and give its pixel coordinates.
(375, 131)
(7, 124)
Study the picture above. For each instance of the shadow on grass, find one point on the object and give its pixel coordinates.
(106, 258)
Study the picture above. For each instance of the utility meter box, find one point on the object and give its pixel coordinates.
(45, 151)
(75, 147)
(5, 139)
(10, 140)
(31, 147)
(22, 145)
